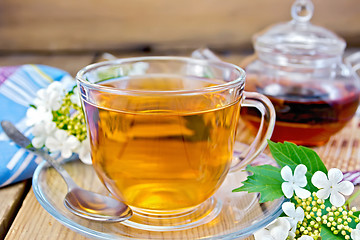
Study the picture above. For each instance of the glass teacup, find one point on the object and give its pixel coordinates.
(162, 132)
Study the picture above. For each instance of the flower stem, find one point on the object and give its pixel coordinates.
(353, 196)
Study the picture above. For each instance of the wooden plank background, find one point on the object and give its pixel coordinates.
(105, 25)
(11, 199)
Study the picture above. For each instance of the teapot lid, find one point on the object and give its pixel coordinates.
(299, 42)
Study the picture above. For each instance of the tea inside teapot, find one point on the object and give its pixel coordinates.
(306, 113)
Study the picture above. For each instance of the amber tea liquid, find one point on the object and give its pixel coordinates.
(163, 153)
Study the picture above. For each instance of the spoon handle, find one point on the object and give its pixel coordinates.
(20, 139)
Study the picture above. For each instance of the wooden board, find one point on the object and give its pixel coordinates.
(67, 25)
(33, 222)
(10, 200)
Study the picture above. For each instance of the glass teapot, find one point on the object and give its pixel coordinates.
(300, 68)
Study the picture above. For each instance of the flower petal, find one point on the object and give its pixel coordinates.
(75, 98)
(71, 142)
(86, 158)
(280, 229)
(49, 127)
(41, 92)
(289, 209)
(302, 193)
(52, 144)
(335, 176)
(337, 199)
(358, 226)
(291, 235)
(286, 173)
(319, 179)
(355, 234)
(299, 214)
(323, 193)
(66, 153)
(61, 135)
(55, 86)
(263, 234)
(300, 171)
(301, 181)
(292, 222)
(345, 188)
(306, 237)
(287, 189)
(38, 129)
(38, 142)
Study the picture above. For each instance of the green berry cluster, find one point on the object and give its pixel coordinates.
(316, 215)
(313, 213)
(70, 118)
(338, 220)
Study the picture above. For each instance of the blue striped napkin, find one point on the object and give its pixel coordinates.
(18, 87)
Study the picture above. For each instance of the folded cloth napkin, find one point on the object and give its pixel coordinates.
(18, 87)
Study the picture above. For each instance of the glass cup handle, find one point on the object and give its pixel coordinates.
(265, 107)
(251, 99)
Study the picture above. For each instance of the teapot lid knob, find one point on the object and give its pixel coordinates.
(302, 10)
(299, 42)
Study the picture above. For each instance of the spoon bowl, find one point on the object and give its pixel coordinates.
(96, 206)
(81, 202)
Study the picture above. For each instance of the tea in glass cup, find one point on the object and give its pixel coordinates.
(162, 129)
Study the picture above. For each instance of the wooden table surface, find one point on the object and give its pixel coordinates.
(22, 217)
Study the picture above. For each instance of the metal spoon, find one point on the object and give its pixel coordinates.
(79, 201)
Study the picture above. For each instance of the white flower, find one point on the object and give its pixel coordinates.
(355, 233)
(291, 234)
(37, 115)
(84, 151)
(294, 182)
(331, 186)
(306, 237)
(294, 215)
(50, 97)
(67, 82)
(277, 230)
(75, 98)
(138, 68)
(41, 132)
(62, 141)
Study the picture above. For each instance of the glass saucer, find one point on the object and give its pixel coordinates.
(240, 214)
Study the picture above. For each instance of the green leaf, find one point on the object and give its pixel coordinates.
(71, 92)
(357, 213)
(30, 146)
(292, 155)
(112, 73)
(266, 180)
(326, 233)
